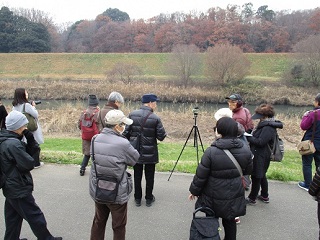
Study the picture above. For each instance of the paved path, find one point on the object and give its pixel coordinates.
(63, 197)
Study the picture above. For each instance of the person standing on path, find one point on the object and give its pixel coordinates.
(149, 125)
(307, 125)
(218, 183)
(262, 136)
(88, 116)
(16, 163)
(112, 153)
(115, 101)
(21, 102)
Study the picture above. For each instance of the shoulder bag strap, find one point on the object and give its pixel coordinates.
(24, 108)
(234, 161)
(144, 122)
(94, 160)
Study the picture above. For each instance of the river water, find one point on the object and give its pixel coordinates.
(178, 107)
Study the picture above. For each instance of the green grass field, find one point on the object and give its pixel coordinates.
(96, 65)
(68, 151)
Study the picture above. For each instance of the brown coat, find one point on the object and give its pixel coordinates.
(103, 112)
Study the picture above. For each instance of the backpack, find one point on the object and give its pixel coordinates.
(277, 150)
(88, 126)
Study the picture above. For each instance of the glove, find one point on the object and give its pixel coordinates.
(28, 135)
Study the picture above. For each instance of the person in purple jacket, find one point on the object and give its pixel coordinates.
(307, 125)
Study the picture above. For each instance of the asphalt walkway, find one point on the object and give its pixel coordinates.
(64, 198)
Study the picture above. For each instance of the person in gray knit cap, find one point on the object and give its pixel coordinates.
(89, 127)
(15, 164)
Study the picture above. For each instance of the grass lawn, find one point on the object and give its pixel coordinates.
(69, 151)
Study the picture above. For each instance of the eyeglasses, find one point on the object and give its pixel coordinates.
(122, 124)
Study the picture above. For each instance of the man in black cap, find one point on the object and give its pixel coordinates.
(149, 125)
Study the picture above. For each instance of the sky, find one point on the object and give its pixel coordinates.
(65, 11)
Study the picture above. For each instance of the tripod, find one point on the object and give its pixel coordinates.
(196, 132)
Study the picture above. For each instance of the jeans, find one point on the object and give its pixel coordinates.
(15, 210)
(149, 170)
(255, 187)
(307, 166)
(119, 221)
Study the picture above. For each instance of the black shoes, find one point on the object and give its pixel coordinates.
(82, 172)
(138, 202)
(150, 201)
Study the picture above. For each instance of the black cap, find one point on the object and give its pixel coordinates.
(235, 96)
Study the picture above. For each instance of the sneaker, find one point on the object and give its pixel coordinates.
(303, 186)
(150, 201)
(250, 201)
(39, 166)
(237, 220)
(263, 199)
(82, 172)
(138, 202)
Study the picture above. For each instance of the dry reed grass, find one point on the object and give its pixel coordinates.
(62, 122)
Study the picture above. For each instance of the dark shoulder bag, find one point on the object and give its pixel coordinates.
(107, 186)
(32, 125)
(136, 142)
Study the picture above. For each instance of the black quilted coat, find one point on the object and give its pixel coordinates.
(217, 181)
(153, 130)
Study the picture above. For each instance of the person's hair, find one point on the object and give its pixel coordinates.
(115, 96)
(19, 96)
(266, 110)
(317, 99)
(227, 127)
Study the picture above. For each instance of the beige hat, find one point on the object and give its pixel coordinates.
(115, 117)
(223, 112)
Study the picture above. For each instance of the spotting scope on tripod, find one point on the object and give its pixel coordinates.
(196, 135)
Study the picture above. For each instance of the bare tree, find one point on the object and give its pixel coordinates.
(308, 57)
(184, 62)
(125, 72)
(226, 63)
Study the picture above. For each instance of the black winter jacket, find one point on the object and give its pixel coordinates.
(217, 181)
(314, 189)
(152, 130)
(16, 164)
(262, 136)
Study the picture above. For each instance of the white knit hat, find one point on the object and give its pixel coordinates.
(223, 112)
(15, 120)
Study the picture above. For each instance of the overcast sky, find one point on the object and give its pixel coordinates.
(73, 10)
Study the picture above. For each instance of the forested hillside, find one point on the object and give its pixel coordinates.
(253, 29)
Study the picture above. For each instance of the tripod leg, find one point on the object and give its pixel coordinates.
(197, 129)
(180, 153)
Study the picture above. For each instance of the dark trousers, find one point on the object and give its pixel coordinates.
(230, 229)
(119, 221)
(255, 187)
(85, 161)
(15, 210)
(36, 158)
(149, 170)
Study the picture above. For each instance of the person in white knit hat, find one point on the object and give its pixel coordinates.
(17, 186)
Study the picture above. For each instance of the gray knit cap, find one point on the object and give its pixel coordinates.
(93, 100)
(15, 120)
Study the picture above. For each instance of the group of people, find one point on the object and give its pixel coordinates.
(217, 184)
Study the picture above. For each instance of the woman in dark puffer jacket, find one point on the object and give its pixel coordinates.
(217, 182)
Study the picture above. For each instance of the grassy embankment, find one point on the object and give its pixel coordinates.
(56, 76)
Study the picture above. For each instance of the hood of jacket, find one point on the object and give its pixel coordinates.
(270, 122)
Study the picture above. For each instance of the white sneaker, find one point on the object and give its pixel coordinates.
(41, 164)
(237, 220)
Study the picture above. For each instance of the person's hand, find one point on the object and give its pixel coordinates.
(191, 197)
(28, 135)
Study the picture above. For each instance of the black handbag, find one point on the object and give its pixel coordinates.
(107, 186)
(204, 227)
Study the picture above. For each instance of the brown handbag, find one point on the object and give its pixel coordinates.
(306, 147)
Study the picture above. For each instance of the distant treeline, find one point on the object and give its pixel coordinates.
(261, 30)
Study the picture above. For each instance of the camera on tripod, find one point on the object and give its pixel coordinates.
(36, 102)
(196, 111)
